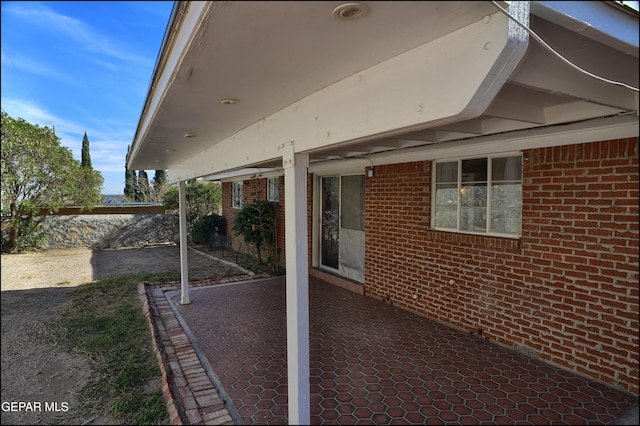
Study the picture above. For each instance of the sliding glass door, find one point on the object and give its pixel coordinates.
(342, 229)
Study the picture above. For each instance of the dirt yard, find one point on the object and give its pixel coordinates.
(35, 286)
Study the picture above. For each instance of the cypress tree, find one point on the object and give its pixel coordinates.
(142, 193)
(160, 178)
(129, 180)
(159, 185)
(86, 157)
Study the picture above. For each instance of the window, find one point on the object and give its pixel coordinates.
(478, 195)
(236, 195)
(273, 189)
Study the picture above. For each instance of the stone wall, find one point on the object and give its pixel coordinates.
(109, 231)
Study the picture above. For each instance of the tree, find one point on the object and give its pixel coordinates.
(203, 199)
(159, 184)
(39, 176)
(86, 157)
(130, 181)
(130, 185)
(160, 178)
(143, 190)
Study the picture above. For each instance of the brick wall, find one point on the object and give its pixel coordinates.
(567, 291)
(228, 212)
(252, 190)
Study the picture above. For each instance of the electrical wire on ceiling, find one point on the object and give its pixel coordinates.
(565, 60)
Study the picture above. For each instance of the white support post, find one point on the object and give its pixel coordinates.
(184, 261)
(297, 279)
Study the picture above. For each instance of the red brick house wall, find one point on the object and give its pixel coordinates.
(258, 186)
(566, 291)
(252, 189)
(228, 212)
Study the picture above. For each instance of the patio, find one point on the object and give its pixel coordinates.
(371, 363)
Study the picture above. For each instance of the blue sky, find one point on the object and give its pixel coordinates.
(83, 67)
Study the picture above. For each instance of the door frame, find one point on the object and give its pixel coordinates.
(316, 231)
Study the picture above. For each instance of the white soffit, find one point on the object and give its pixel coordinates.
(594, 19)
(371, 105)
(400, 94)
(269, 55)
(247, 173)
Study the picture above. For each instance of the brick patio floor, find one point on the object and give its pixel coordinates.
(371, 363)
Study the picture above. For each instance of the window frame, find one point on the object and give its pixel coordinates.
(237, 200)
(270, 195)
(489, 183)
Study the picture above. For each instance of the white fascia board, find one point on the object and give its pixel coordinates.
(554, 76)
(340, 167)
(595, 130)
(244, 174)
(594, 19)
(184, 36)
(452, 78)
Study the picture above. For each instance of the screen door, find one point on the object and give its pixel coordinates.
(342, 233)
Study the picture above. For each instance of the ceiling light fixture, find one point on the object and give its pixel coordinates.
(229, 101)
(189, 135)
(351, 10)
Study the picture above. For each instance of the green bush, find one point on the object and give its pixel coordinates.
(207, 225)
(256, 223)
(30, 236)
(202, 199)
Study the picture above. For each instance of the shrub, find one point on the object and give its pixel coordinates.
(206, 226)
(202, 199)
(256, 222)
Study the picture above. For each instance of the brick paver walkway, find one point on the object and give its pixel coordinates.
(371, 363)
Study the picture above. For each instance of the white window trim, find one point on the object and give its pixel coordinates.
(236, 199)
(489, 181)
(271, 196)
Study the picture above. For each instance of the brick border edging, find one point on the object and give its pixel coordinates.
(189, 394)
(175, 415)
(223, 261)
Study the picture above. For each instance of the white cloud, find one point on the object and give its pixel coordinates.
(24, 64)
(29, 111)
(83, 36)
(108, 149)
(95, 82)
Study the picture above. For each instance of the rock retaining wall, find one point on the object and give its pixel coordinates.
(109, 231)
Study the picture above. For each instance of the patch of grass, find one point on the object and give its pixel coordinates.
(104, 321)
(253, 269)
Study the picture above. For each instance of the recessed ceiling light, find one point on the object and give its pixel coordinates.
(351, 10)
(229, 101)
(189, 135)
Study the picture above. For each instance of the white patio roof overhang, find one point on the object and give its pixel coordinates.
(248, 85)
